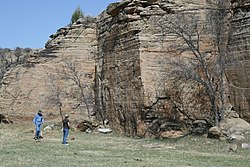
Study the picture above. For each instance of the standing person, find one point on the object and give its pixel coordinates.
(38, 121)
(66, 127)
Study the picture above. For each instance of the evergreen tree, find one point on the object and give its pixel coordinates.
(77, 15)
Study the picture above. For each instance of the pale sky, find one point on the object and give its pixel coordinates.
(29, 23)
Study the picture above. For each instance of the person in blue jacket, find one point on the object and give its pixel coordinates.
(38, 121)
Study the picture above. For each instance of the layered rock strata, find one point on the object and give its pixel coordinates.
(239, 58)
(127, 52)
(29, 86)
(132, 62)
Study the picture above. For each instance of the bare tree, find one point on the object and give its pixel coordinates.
(220, 29)
(70, 73)
(57, 93)
(204, 66)
(11, 58)
(14, 97)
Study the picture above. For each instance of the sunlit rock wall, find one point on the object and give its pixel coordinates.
(27, 88)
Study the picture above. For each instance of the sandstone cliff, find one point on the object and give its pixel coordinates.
(28, 87)
(132, 73)
(239, 49)
(124, 60)
(133, 84)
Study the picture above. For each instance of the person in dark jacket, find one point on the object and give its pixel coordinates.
(66, 127)
(38, 121)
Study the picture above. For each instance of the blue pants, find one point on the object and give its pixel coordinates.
(38, 130)
(65, 135)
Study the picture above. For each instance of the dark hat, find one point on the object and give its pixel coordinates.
(39, 111)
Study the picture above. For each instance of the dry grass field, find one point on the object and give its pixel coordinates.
(18, 149)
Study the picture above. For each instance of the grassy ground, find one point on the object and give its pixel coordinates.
(17, 148)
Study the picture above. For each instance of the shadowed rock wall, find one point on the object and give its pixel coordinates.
(239, 55)
(131, 73)
(118, 73)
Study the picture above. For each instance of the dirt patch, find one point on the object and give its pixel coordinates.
(20, 118)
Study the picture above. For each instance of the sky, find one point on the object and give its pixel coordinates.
(29, 23)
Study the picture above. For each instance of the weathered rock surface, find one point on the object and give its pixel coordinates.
(214, 132)
(126, 52)
(29, 85)
(239, 49)
(132, 62)
(133, 53)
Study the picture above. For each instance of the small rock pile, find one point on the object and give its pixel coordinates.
(5, 120)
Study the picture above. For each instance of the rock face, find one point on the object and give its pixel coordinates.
(132, 62)
(131, 77)
(28, 87)
(123, 60)
(239, 49)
